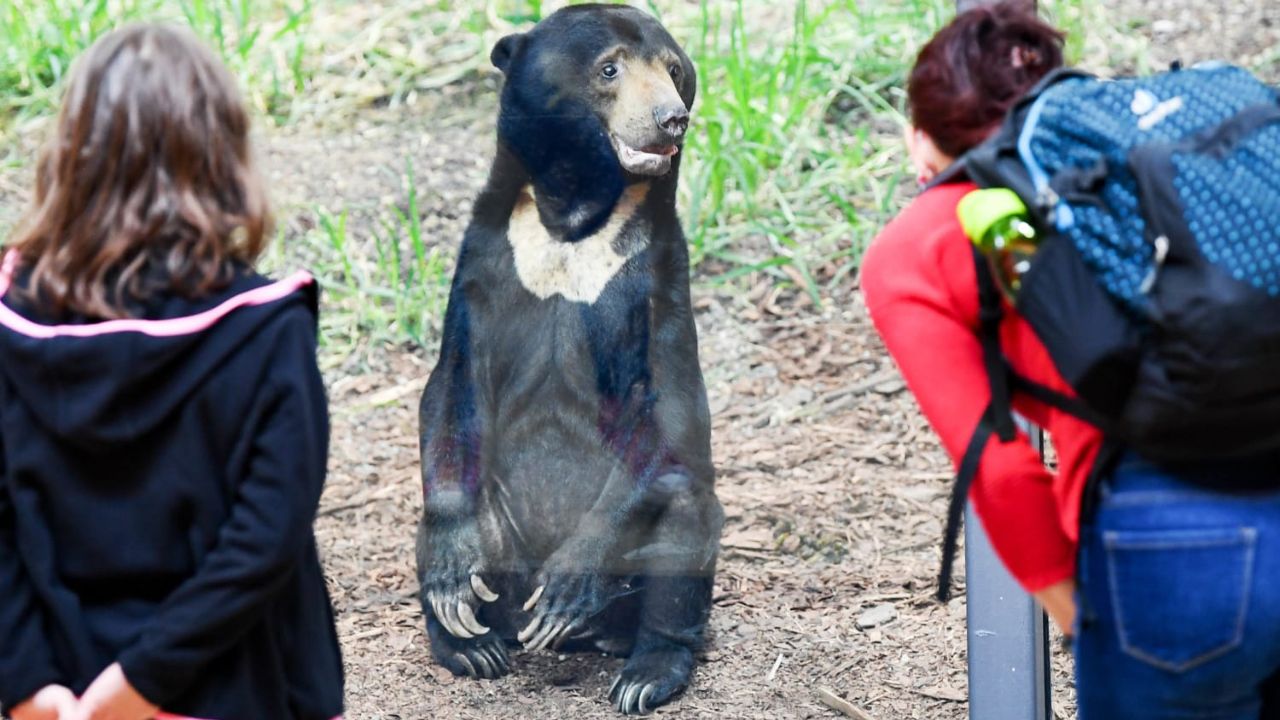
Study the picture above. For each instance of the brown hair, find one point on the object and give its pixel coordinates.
(147, 183)
(973, 70)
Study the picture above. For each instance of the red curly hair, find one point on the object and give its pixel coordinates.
(973, 70)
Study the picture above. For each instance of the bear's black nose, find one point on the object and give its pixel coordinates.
(674, 119)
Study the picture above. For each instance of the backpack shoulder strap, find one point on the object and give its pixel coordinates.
(1067, 404)
(990, 313)
(996, 420)
(965, 476)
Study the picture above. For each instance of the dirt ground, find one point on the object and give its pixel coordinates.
(834, 486)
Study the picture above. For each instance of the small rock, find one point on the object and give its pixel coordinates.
(796, 398)
(942, 692)
(918, 493)
(1164, 27)
(890, 387)
(441, 675)
(719, 402)
(877, 616)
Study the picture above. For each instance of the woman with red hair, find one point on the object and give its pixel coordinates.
(1179, 586)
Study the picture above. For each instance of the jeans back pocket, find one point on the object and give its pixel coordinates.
(1180, 597)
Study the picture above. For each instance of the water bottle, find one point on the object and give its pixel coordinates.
(996, 221)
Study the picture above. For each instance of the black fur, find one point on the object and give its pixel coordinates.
(566, 445)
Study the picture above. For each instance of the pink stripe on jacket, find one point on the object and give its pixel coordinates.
(155, 328)
(167, 716)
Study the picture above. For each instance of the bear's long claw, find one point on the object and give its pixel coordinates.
(485, 667)
(534, 598)
(467, 617)
(466, 663)
(544, 636)
(644, 699)
(629, 700)
(531, 629)
(448, 614)
(567, 633)
(498, 658)
(438, 609)
(481, 590)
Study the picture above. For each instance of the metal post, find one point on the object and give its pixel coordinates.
(1008, 633)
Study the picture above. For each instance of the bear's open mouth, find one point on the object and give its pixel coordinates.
(648, 160)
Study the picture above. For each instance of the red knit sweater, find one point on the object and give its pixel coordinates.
(921, 291)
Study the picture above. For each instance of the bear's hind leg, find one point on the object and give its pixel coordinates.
(675, 603)
(662, 657)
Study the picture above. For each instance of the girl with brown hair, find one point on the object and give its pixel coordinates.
(163, 424)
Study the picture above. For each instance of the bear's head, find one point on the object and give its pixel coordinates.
(596, 97)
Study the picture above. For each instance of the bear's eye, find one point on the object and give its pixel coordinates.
(675, 71)
(609, 71)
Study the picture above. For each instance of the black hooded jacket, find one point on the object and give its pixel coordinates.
(158, 482)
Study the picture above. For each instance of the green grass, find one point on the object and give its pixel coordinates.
(388, 287)
(269, 55)
(264, 41)
(793, 161)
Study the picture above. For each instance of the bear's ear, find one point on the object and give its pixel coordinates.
(504, 50)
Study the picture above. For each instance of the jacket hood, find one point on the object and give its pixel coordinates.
(113, 381)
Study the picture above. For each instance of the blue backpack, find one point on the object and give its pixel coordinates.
(1156, 285)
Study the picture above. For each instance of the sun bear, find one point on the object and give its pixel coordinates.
(569, 494)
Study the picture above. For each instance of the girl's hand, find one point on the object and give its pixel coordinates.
(53, 702)
(1060, 602)
(111, 697)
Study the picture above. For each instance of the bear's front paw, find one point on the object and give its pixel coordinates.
(452, 566)
(571, 590)
(650, 678)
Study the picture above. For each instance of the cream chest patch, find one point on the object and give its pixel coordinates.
(578, 271)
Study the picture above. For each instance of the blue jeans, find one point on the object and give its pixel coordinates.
(1180, 596)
